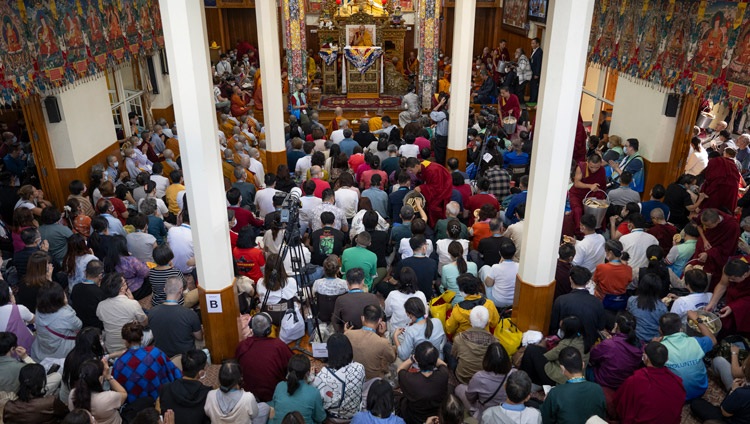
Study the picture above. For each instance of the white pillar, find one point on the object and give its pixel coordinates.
(563, 68)
(267, 18)
(463, 45)
(187, 52)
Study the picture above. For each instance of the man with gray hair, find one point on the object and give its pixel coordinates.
(452, 209)
(247, 190)
(256, 167)
(158, 139)
(175, 328)
(263, 359)
(743, 152)
(338, 135)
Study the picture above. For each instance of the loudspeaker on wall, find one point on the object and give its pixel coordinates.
(673, 104)
(53, 110)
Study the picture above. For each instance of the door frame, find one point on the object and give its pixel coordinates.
(36, 125)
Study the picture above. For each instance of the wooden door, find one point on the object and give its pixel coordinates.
(682, 135)
(40, 146)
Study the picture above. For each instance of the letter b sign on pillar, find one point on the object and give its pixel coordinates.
(213, 302)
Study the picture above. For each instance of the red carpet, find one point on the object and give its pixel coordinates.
(333, 101)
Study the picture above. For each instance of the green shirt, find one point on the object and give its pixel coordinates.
(574, 403)
(360, 257)
(441, 229)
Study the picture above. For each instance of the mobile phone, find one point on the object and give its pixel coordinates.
(53, 369)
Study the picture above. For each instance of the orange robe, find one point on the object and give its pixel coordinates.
(238, 107)
(258, 93)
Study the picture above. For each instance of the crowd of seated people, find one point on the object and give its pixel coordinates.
(412, 267)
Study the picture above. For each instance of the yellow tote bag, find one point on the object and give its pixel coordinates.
(440, 306)
(509, 335)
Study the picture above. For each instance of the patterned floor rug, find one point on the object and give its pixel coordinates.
(333, 101)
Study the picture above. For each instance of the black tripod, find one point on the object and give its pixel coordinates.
(292, 246)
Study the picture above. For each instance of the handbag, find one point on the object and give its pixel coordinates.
(723, 349)
(440, 305)
(17, 326)
(615, 302)
(509, 335)
(292, 325)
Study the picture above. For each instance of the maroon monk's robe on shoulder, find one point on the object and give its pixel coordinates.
(576, 195)
(650, 395)
(737, 297)
(579, 148)
(721, 184)
(436, 189)
(723, 239)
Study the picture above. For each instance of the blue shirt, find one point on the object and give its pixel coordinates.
(513, 158)
(347, 146)
(648, 321)
(648, 206)
(517, 199)
(115, 226)
(306, 400)
(686, 361)
(14, 166)
(379, 200)
(396, 201)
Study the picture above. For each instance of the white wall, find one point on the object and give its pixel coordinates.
(639, 113)
(164, 99)
(86, 127)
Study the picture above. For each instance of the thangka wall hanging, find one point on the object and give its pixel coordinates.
(52, 44)
(684, 46)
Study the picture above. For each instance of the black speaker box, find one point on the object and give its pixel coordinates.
(673, 104)
(53, 110)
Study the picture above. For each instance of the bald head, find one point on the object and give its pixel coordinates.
(228, 154)
(339, 111)
(316, 171)
(168, 154)
(721, 126)
(657, 216)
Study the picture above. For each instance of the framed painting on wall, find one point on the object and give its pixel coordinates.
(314, 6)
(516, 16)
(538, 10)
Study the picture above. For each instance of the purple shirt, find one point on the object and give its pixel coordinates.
(614, 360)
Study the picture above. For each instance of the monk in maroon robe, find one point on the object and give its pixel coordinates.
(590, 176)
(718, 241)
(735, 288)
(721, 184)
(436, 188)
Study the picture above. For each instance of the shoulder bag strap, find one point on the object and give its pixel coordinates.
(502, 383)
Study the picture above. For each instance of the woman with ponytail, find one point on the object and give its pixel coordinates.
(421, 328)
(295, 394)
(656, 266)
(408, 287)
(452, 270)
(618, 356)
(89, 393)
(230, 404)
(454, 230)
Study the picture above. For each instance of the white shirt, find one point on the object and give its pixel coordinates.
(691, 302)
(444, 257)
(180, 239)
(257, 168)
(162, 183)
(160, 205)
(288, 259)
(504, 288)
(404, 248)
(409, 150)
(223, 67)
(394, 308)
(287, 292)
(264, 201)
(348, 200)
(589, 251)
(309, 203)
(636, 243)
(358, 227)
(696, 161)
(337, 136)
(303, 165)
(5, 311)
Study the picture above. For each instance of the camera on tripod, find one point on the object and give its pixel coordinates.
(489, 112)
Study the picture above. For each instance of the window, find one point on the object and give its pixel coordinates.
(125, 96)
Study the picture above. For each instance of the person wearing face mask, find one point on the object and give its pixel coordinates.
(130, 165)
(187, 395)
(632, 163)
(299, 102)
(543, 366)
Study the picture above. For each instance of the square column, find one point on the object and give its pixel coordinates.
(463, 45)
(267, 20)
(564, 64)
(187, 53)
